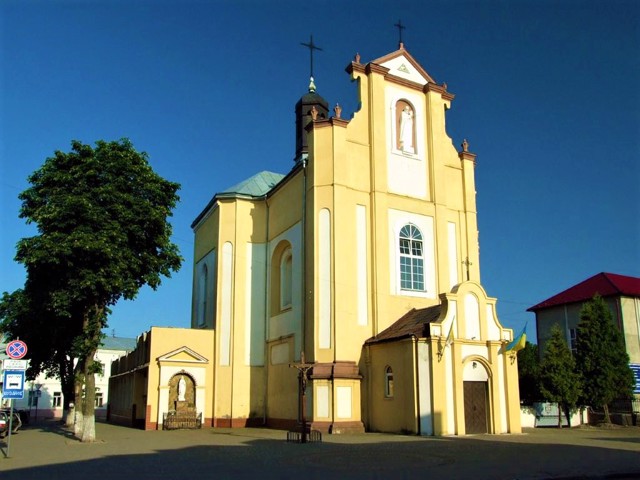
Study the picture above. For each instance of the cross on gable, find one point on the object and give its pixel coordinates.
(400, 28)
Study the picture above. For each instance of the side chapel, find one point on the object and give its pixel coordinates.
(365, 257)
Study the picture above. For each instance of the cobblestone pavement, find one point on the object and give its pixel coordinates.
(48, 452)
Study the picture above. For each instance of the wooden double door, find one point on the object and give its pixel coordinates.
(476, 408)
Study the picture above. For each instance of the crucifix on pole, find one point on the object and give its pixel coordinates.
(302, 367)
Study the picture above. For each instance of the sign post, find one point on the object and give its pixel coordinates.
(13, 380)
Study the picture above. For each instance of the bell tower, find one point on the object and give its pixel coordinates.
(311, 106)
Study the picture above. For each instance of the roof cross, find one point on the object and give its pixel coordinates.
(400, 28)
(311, 46)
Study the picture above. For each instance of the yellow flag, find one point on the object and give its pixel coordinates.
(450, 336)
(519, 342)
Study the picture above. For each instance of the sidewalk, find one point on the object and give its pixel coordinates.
(48, 452)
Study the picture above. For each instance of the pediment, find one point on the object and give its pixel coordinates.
(401, 64)
(183, 354)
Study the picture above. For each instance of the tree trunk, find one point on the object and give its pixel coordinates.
(607, 417)
(559, 415)
(567, 414)
(89, 404)
(78, 421)
(68, 390)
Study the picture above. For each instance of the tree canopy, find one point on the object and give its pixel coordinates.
(101, 215)
(103, 233)
(529, 374)
(602, 360)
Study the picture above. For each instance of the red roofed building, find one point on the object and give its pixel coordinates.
(620, 292)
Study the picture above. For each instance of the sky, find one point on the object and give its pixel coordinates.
(547, 95)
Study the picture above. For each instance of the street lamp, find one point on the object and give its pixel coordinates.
(38, 393)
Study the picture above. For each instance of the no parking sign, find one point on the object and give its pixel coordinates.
(16, 349)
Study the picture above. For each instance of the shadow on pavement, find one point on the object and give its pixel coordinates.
(131, 454)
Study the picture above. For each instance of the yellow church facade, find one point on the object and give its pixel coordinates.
(365, 257)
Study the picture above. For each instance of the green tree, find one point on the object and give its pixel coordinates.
(23, 315)
(601, 357)
(559, 381)
(529, 374)
(103, 233)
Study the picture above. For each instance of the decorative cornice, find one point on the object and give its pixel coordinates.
(375, 68)
(355, 67)
(405, 83)
(169, 356)
(338, 369)
(339, 122)
(441, 89)
(466, 155)
(325, 122)
(403, 52)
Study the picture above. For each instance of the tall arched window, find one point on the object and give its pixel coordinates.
(411, 258)
(281, 278)
(202, 294)
(286, 279)
(388, 382)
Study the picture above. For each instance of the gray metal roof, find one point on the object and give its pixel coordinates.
(256, 186)
(118, 343)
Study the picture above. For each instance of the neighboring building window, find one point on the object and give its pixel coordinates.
(388, 382)
(411, 258)
(573, 335)
(202, 294)
(99, 400)
(286, 280)
(57, 399)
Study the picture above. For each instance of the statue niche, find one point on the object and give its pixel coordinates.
(181, 392)
(405, 127)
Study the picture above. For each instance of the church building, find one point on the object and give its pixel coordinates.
(362, 262)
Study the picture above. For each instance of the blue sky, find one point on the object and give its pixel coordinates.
(547, 94)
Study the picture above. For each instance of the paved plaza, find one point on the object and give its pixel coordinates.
(48, 452)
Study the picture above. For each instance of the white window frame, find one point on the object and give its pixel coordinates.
(388, 382)
(573, 340)
(425, 223)
(407, 252)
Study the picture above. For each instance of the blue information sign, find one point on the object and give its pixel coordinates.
(635, 368)
(13, 384)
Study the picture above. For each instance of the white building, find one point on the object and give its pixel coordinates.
(48, 403)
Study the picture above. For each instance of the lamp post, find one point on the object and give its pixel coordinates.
(38, 393)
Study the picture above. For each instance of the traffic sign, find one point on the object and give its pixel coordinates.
(16, 349)
(13, 384)
(10, 364)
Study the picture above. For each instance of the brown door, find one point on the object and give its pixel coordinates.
(475, 407)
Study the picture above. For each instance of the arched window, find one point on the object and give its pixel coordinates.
(411, 258)
(202, 294)
(388, 382)
(281, 278)
(286, 279)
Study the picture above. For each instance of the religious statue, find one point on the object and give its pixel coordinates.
(182, 387)
(406, 130)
